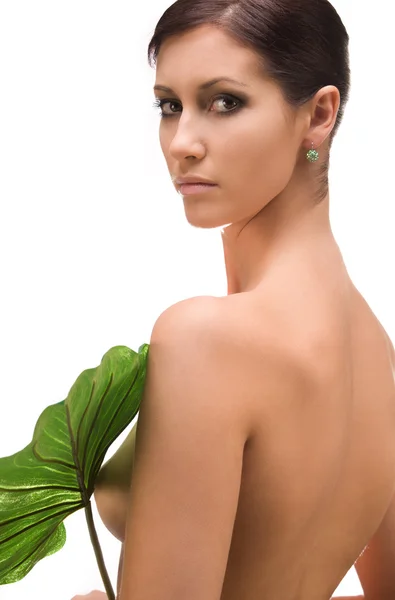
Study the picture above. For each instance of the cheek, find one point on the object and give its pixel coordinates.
(260, 157)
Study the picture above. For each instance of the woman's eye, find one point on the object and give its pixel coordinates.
(227, 102)
(161, 103)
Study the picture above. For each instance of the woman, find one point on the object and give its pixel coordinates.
(265, 456)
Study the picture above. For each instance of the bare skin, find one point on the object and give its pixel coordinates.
(319, 474)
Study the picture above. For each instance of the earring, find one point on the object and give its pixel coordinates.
(312, 155)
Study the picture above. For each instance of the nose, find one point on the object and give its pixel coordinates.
(187, 142)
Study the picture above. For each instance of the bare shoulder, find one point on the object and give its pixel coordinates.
(192, 313)
(230, 321)
(255, 350)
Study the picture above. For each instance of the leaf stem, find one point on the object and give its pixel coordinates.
(98, 552)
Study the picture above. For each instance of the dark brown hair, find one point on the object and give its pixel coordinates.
(302, 45)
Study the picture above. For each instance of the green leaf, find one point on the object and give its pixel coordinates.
(55, 474)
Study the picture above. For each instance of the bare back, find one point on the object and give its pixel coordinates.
(319, 474)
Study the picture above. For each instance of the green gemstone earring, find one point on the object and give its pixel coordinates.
(312, 155)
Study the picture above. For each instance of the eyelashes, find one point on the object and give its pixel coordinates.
(160, 102)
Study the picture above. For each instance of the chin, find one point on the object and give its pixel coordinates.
(206, 214)
(202, 219)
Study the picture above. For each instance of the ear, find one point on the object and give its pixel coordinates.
(324, 109)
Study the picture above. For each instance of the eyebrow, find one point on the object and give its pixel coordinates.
(203, 86)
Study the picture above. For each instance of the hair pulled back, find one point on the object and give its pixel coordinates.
(301, 45)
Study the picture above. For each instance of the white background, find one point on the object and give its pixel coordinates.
(93, 239)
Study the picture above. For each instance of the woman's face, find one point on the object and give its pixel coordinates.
(244, 137)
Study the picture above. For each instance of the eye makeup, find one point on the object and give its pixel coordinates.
(229, 98)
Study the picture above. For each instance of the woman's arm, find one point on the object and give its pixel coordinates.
(116, 473)
(112, 487)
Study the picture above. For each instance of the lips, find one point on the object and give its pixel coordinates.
(198, 183)
(195, 188)
(191, 180)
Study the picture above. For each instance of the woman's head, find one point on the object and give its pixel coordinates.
(291, 57)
